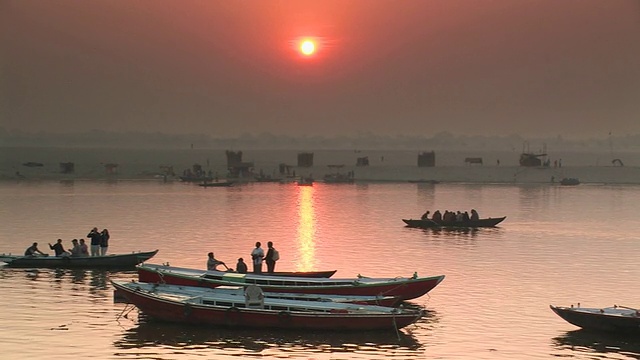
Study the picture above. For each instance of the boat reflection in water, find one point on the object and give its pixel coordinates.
(160, 338)
(598, 343)
(96, 279)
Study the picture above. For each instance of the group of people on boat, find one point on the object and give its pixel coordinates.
(450, 217)
(99, 246)
(258, 256)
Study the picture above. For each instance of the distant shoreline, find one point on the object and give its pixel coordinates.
(41, 164)
(398, 174)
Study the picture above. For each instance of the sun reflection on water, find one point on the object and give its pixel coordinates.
(306, 229)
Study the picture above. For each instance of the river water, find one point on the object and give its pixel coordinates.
(558, 245)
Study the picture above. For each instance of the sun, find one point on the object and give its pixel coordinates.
(307, 47)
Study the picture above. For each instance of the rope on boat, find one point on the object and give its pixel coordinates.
(384, 293)
(395, 326)
(128, 308)
(161, 276)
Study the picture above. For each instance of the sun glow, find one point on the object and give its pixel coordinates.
(307, 47)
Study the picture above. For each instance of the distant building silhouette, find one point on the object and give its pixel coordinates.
(362, 161)
(305, 159)
(427, 159)
(67, 168)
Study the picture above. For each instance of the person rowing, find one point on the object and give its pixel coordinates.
(34, 251)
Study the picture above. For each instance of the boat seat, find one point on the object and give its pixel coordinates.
(254, 297)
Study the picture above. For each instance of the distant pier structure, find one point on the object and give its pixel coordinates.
(362, 161)
(237, 168)
(305, 159)
(111, 168)
(67, 168)
(427, 159)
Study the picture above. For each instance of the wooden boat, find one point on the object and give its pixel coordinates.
(618, 319)
(256, 311)
(115, 261)
(427, 223)
(403, 287)
(239, 291)
(424, 181)
(311, 274)
(217, 184)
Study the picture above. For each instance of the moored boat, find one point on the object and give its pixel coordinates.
(217, 184)
(569, 181)
(115, 261)
(239, 291)
(405, 288)
(617, 319)
(428, 223)
(312, 274)
(256, 311)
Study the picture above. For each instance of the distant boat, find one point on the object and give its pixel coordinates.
(427, 223)
(33, 164)
(217, 184)
(424, 181)
(569, 181)
(196, 178)
(267, 178)
(305, 181)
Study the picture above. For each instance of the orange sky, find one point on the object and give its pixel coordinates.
(225, 68)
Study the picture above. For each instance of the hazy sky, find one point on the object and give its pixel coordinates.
(224, 68)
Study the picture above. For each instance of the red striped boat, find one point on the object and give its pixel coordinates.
(238, 312)
(405, 288)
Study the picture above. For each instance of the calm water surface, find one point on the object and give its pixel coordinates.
(559, 245)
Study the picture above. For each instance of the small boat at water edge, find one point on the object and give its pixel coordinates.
(405, 288)
(217, 184)
(428, 223)
(239, 291)
(194, 178)
(615, 319)
(114, 261)
(569, 181)
(305, 182)
(255, 311)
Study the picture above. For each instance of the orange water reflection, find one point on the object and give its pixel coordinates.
(306, 229)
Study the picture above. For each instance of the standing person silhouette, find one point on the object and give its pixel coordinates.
(95, 237)
(256, 256)
(104, 242)
(271, 258)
